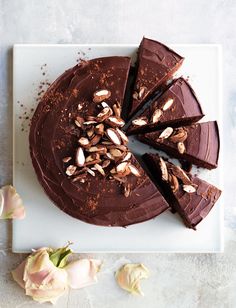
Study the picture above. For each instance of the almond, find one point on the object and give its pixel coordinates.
(99, 129)
(121, 180)
(83, 141)
(115, 153)
(90, 132)
(140, 121)
(104, 114)
(166, 133)
(180, 174)
(100, 95)
(127, 189)
(70, 170)
(66, 159)
(127, 157)
(134, 170)
(164, 171)
(189, 188)
(79, 121)
(180, 135)
(113, 136)
(99, 169)
(168, 104)
(90, 122)
(93, 162)
(115, 121)
(117, 109)
(141, 92)
(174, 183)
(135, 95)
(106, 163)
(98, 148)
(79, 157)
(156, 115)
(95, 140)
(122, 135)
(91, 172)
(122, 166)
(181, 147)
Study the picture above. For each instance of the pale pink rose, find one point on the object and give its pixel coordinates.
(45, 274)
(129, 276)
(11, 205)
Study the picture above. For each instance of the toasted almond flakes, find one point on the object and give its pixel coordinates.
(122, 135)
(140, 121)
(134, 170)
(166, 133)
(163, 168)
(181, 147)
(99, 169)
(100, 95)
(156, 115)
(70, 170)
(168, 104)
(79, 157)
(66, 159)
(113, 136)
(189, 188)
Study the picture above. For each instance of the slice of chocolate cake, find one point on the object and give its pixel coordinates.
(188, 195)
(178, 105)
(198, 143)
(79, 150)
(156, 65)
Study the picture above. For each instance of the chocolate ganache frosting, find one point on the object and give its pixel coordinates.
(80, 153)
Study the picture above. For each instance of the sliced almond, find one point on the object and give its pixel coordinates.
(93, 162)
(79, 157)
(180, 135)
(164, 171)
(122, 166)
(174, 183)
(140, 121)
(70, 170)
(90, 122)
(116, 153)
(166, 133)
(99, 169)
(168, 104)
(134, 170)
(98, 148)
(83, 141)
(90, 132)
(141, 92)
(80, 106)
(107, 142)
(180, 174)
(91, 172)
(106, 163)
(99, 129)
(127, 157)
(66, 159)
(117, 109)
(156, 115)
(113, 136)
(104, 114)
(115, 121)
(181, 147)
(109, 156)
(113, 171)
(79, 121)
(122, 135)
(189, 188)
(135, 95)
(104, 105)
(117, 178)
(95, 140)
(127, 189)
(100, 95)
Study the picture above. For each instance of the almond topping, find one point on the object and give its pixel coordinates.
(127, 190)
(156, 115)
(104, 114)
(95, 139)
(106, 163)
(180, 174)
(90, 122)
(100, 95)
(174, 183)
(113, 136)
(90, 132)
(79, 157)
(79, 121)
(180, 135)
(99, 129)
(99, 148)
(140, 121)
(127, 156)
(115, 121)
(181, 147)
(99, 169)
(164, 171)
(134, 170)
(66, 159)
(70, 170)
(168, 104)
(115, 152)
(135, 95)
(123, 136)
(189, 188)
(166, 133)
(91, 172)
(83, 141)
(141, 92)
(117, 109)
(122, 167)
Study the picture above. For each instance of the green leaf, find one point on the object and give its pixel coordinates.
(59, 256)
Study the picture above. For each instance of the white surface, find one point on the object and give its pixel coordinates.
(51, 226)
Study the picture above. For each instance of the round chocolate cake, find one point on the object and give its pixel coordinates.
(80, 151)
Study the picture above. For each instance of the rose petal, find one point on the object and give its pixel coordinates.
(18, 274)
(129, 276)
(82, 273)
(11, 205)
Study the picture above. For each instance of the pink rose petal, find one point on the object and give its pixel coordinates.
(11, 205)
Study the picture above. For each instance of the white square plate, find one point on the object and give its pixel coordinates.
(45, 224)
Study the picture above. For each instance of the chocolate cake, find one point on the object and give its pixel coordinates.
(178, 105)
(198, 143)
(155, 66)
(188, 195)
(79, 151)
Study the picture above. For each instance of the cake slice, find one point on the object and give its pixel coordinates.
(197, 143)
(178, 105)
(156, 64)
(188, 195)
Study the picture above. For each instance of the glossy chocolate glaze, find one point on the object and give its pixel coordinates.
(53, 136)
(156, 64)
(201, 146)
(192, 207)
(185, 109)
